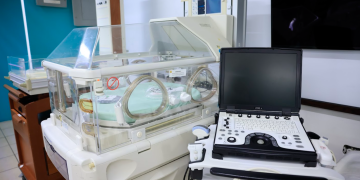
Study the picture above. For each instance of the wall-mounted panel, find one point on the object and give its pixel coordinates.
(84, 12)
(52, 3)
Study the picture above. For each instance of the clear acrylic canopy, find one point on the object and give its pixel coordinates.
(111, 83)
(118, 45)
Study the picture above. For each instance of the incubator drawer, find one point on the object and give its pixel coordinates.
(58, 161)
(20, 125)
(16, 105)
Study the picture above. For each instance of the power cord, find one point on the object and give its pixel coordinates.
(187, 169)
(189, 176)
(333, 156)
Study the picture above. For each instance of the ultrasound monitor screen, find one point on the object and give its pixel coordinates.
(260, 80)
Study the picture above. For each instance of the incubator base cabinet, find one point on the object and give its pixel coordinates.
(124, 98)
(160, 157)
(27, 113)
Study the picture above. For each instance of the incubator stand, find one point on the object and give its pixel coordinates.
(32, 81)
(120, 90)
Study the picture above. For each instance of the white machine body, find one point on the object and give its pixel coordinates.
(257, 165)
(141, 161)
(196, 151)
(325, 156)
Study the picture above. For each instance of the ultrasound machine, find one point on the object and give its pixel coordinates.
(258, 132)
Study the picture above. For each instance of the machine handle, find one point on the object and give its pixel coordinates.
(18, 118)
(251, 175)
(17, 93)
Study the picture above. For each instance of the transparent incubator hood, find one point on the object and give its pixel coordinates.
(111, 46)
(116, 85)
(27, 74)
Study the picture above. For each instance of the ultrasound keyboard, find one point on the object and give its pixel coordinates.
(262, 125)
(244, 129)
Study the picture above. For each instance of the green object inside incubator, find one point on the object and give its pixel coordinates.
(145, 99)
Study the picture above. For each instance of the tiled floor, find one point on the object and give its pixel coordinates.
(8, 153)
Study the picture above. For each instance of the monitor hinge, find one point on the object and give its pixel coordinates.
(231, 109)
(286, 112)
(253, 112)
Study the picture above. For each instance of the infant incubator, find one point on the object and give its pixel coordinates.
(117, 92)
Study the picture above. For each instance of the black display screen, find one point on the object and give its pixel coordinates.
(260, 80)
(316, 24)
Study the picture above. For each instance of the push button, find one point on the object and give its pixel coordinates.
(231, 139)
(260, 141)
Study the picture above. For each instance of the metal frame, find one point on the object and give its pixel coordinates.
(239, 11)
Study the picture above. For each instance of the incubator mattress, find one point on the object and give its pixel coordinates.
(146, 98)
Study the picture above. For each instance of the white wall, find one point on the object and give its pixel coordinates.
(330, 76)
(141, 11)
(340, 128)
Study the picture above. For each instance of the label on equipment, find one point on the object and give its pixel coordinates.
(86, 105)
(107, 98)
(65, 126)
(177, 73)
(114, 63)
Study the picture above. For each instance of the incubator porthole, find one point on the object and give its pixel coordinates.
(204, 81)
